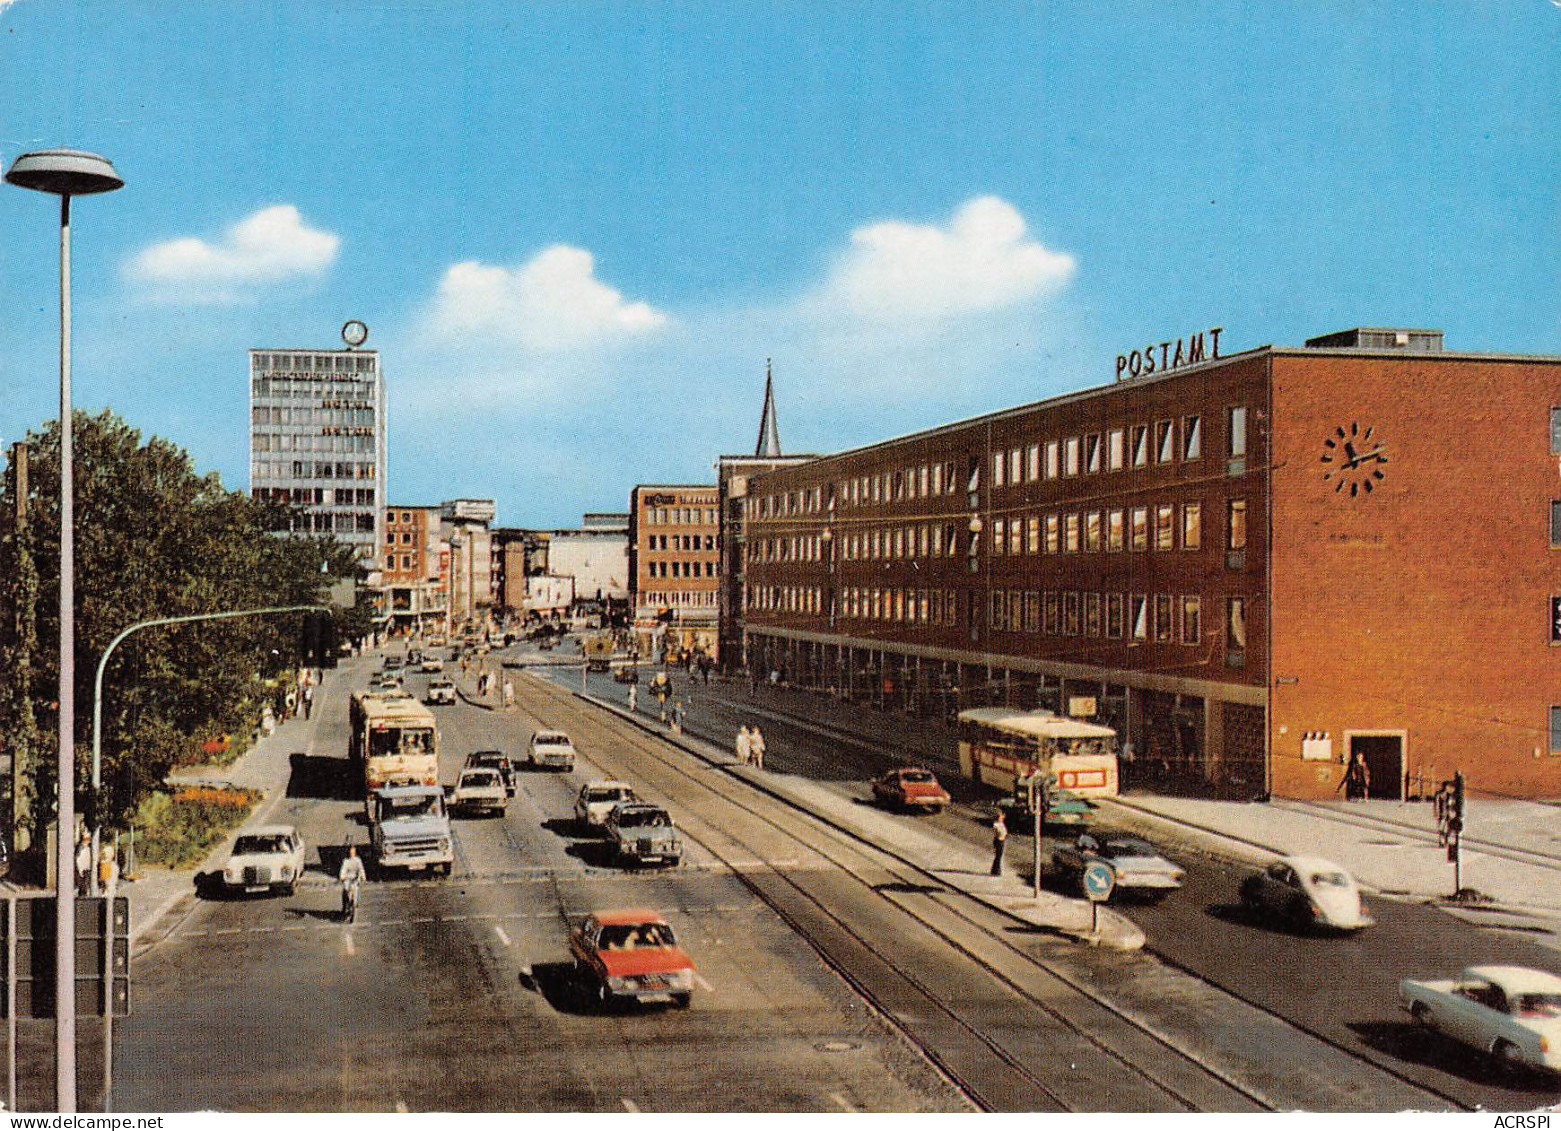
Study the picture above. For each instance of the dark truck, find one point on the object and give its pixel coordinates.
(598, 652)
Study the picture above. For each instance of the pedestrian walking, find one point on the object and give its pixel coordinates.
(509, 692)
(308, 700)
(291, 704)
(756, 745)
(84, 863)
(999, 843)
(634, 697)
(744, 746)
(1357, 780)
(677, 717)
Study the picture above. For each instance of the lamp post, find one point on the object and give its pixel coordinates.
(65, 173)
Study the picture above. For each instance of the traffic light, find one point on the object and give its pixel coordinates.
(1457, 816)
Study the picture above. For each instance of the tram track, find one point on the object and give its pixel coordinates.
(1056, 998)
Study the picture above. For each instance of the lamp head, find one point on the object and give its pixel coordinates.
(64, 172)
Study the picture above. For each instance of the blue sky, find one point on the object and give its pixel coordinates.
(576, 231)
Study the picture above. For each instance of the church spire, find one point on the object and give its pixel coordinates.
(769, 435)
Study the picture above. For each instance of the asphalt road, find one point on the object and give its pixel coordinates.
(1342, 988)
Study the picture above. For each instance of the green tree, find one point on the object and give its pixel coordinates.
(156, 539)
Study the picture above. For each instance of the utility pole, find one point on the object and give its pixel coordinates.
(18, 640)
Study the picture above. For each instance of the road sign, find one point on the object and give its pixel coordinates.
(1099, 880)
(102, 956)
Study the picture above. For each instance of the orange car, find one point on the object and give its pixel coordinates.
(632, 954)
(911, 787)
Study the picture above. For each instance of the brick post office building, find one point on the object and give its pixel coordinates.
(1255, 567)
(673, 566)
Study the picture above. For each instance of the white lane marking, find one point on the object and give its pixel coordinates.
(401, 1107)
(347, 939)
(845, 1104)
(629, 1105)
(704, 985)
(503, 938)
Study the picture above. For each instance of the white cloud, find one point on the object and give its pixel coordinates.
(270, 246)
(981, 262)
(551, 304)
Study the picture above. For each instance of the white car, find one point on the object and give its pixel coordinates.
(266, 858)
(1308, 892)
(597, 799)
(441, 691)
(1511, 1012)
(432, 663)
(1139, 870)
(479, 789)
(552, 750)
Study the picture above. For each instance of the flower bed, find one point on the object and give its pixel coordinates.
(178, 829)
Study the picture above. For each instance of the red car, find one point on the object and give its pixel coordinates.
(911, 787)
(632, 954)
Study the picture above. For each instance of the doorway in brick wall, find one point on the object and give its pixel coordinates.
(1384, 754)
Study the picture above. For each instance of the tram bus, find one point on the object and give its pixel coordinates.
(1002, 747)
(396, 740)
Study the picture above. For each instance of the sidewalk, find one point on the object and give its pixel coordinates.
(956, 865)
(266, 767)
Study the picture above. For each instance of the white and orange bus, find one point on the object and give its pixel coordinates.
(1000, 746)
(396, 739)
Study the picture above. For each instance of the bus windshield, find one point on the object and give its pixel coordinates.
(389, 742)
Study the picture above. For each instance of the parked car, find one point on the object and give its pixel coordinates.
(432, 663)
(552, 750)
(392, 662)
(626, 675)
(1063, 810)
(441, 691)
(1511, 1012)
(1139, 869)
(479, 789)
(641, 833)
(495, 760)
(631, 954)
(911, 787)
(597, 799)
(267, 858)
(1308, 892)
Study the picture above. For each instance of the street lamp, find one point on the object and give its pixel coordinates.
(65, 173)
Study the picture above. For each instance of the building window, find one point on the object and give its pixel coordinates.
(1140, 445)
(1192, 437)
(1092, 614)
(1140, 535)
(1032, 470)
(1070, 541)
(1114, 449)
(998, 463)
(1015, 466)
(1555, 524)
(1555, 620)
(1092, 453)
(1114, 531)
(1236, 534)
(1052, 459)
(1138, 617)
(1192, 526)
(1032, 535)
(1555, 730)
(1235, 632)
(1238, 432)
(1555, 431)
(1092, 536)
(1192, 619)
(1070, 456)
(1015, 536)
(1164, 629)
(1070, 614)
(1053, 534)
(1114, 606)
(1053, 624)
(1165, 527)
(999, 536)
(1032, 611)
(1164, 441)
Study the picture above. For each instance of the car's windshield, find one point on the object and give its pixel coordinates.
(552, 740)
(398, 808)
(259, 845)
(1330, 880)
(641, 818)
(636, 936)
(480, 777)
(614, 794)
(1119, 849)
(916, 777)
(1539, 1005)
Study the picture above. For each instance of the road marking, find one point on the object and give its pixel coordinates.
(503, 938)
(629, 1105)
(845, 1104)
(704, 985)
(401, 1107)
(347, 938)
(391, 922)
(229, 931)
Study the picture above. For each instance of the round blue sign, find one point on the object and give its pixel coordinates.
(1098, 880)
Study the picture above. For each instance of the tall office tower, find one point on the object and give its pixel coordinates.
(317, 439)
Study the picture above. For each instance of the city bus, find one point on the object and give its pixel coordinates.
(396, 740)
(1002, 747)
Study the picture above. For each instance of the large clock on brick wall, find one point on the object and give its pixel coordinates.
(1354, 460)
